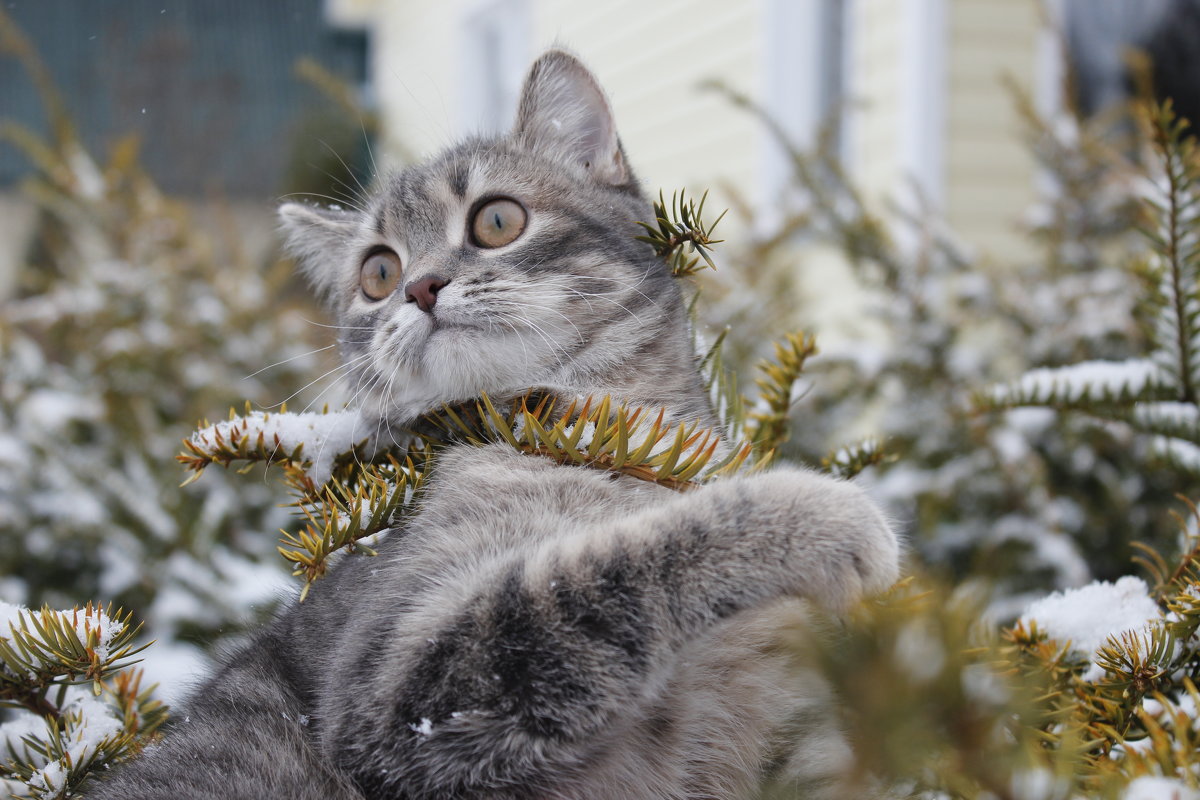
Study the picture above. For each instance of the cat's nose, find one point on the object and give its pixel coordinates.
(423, 292)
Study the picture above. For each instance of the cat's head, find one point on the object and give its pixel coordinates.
(503, 264)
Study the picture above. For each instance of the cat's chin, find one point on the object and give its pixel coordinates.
(448, 372)
(404, 408)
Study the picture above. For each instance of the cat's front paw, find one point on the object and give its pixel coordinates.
(839, 547)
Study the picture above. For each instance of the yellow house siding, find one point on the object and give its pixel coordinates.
(652, 58)
(650, 63)
(351, 13)
(990, 174)
(415, 73)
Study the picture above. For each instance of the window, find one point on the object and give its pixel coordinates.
(1099, 35)
(806, 81)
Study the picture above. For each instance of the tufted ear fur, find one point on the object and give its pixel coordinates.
(563, 110)
(318, 238)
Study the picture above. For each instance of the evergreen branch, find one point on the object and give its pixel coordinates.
(14, 43)
(1172, 738)
(1104, 389)
(1176, 244)
(42, 654)
(1157, 664)
(1177, 455)
(142, 714)
(368, 497)
(722, 386)
(342, 514)
(36, 149)
(848, 461)
(232, 441)
(336, 89)
(332, 439)
(1188, 571)
(42, 647)
(1180, 421)
(1154, 564)
(58, 764)
(836, 203)
(767, 429)
(594, 434)
(679, 235)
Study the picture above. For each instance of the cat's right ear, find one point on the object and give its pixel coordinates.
(318, 238)
(563, 110)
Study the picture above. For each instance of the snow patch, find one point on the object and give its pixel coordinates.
(323, 436)
(1076, 381)
(85, 622)
(1177, 451)
(1088, 616)
(87, 724)
(1153, 788)
(174, 667)
(1181, 414)
(50, 410)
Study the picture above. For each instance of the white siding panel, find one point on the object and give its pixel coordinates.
(990, 174)
(652, 59)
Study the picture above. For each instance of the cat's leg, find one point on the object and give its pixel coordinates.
(529, 681)
(243, 734)
(746, 711)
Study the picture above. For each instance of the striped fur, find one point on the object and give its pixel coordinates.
(536, 630)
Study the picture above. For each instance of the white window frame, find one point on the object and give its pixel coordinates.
(495, 37)
(923, 105)
(795, 91)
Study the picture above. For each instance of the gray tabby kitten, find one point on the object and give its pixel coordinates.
(535, 630)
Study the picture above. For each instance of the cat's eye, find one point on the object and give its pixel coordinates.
(380, 274)
(498, 222)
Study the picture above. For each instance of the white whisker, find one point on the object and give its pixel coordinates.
(334, 371)
(289, 360)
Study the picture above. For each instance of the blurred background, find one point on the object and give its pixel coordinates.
(941, 190)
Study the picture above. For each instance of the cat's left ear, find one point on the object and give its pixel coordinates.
(563, 109)
(319, 239)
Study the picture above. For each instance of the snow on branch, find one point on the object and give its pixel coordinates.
(1083, 385)
(1172, 272)
(1088, 617)
(1157, 394)
(311, 443)
(82, 644)
(61, 732)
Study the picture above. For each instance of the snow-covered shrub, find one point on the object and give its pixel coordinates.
(77, 709)
(1091, 694)
(128, 324)
(1033, 500)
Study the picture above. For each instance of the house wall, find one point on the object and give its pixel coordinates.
(652, 59)
(926, 108)
(916, 86)
(677, 135)
(876, 96)
(990, 173)
(412, 73)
